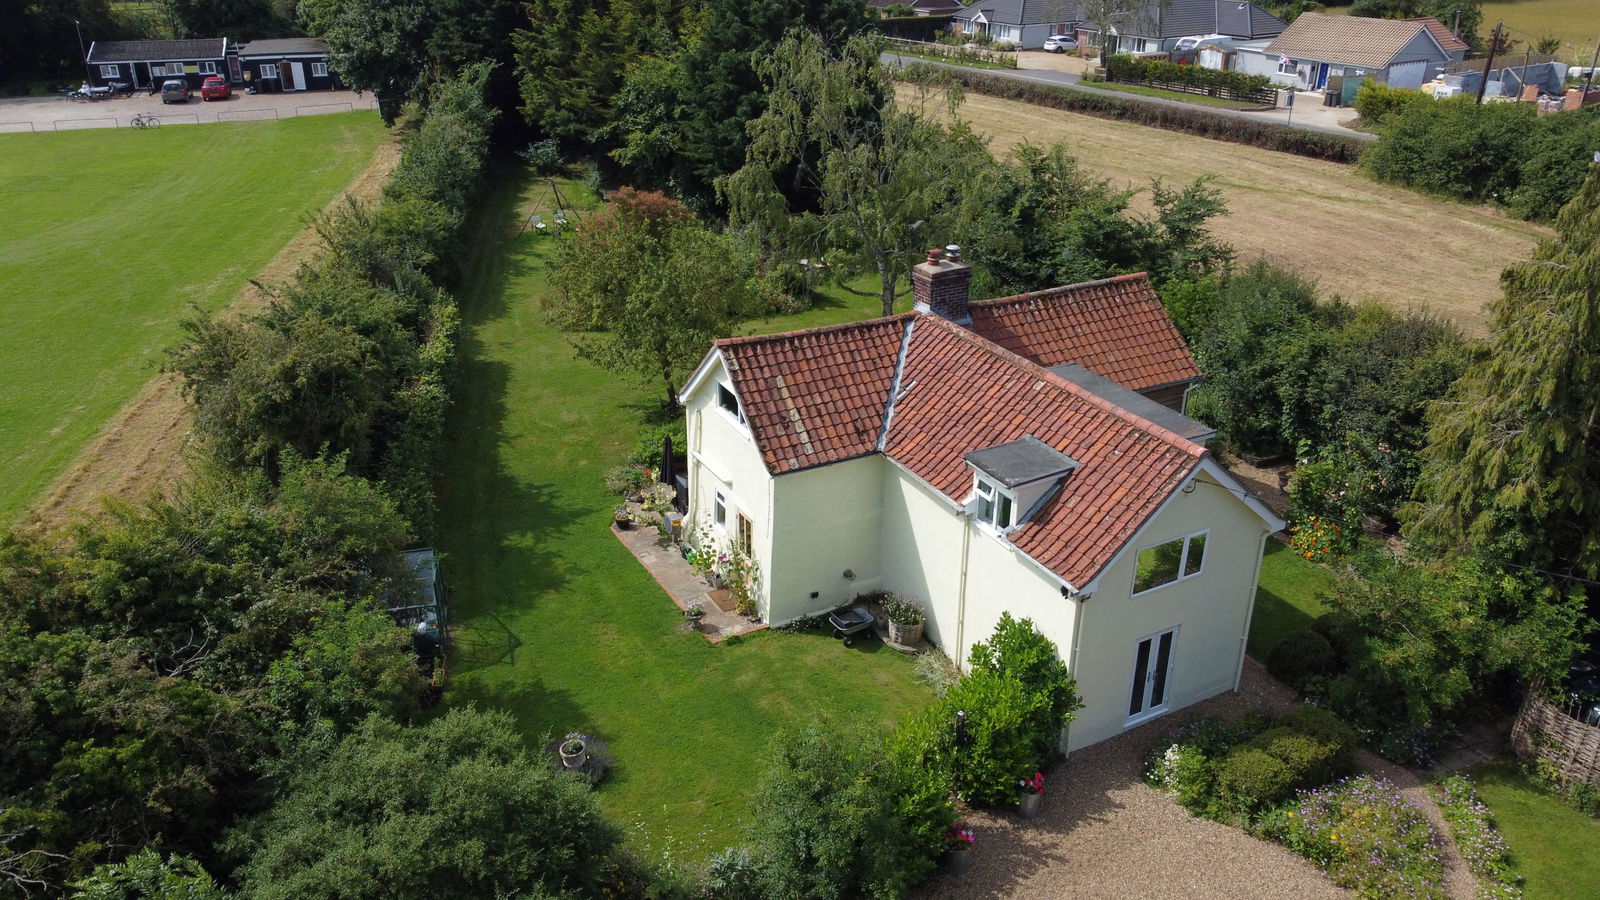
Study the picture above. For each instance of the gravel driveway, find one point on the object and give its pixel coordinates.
(59, 114)
(1105, 834)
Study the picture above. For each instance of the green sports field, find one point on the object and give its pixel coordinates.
(1575, 22)
(108, 236)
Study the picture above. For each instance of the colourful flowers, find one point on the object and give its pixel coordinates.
(1365, 835)
(1481, 845)
(1316, 537)
(1034, 785)
(959, 837)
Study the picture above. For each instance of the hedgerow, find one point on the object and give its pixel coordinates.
(1266, 135)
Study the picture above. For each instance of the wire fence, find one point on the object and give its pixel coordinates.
(202, 117)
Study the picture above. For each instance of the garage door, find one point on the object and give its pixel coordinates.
(1408, 75)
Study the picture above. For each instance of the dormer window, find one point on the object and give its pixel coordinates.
(995, 506)
(1009, 480)
(730, 403)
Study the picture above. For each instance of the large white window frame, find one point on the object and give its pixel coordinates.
(1187, 568)
(110, 71)
(319, 70)
(208, 68)
(269, 70)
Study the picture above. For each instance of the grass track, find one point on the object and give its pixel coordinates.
(107, 237)
(1354, 236)
(555, 619)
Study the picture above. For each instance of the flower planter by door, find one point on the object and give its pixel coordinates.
(1030, 805)
(958, 861)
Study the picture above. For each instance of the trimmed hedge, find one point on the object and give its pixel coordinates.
(1266, 135)
(1196, 79)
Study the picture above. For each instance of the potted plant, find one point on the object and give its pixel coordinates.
(906, 619)
(574, 751)
(1032, 795)
(622, 517)
(958, 848)
(694, 612)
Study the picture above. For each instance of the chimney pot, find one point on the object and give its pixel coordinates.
(940, 286)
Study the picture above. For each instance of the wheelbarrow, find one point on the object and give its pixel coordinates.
(847, 623)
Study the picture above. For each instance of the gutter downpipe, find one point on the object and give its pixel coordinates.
(1078, 599)
(961, 596)
(1255, 583)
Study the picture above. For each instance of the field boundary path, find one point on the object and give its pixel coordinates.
(46, 114)
(1310, 115)
(141, 450)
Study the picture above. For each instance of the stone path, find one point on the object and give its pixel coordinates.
(665, 563)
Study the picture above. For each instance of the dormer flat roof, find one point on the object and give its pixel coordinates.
(1023, 461)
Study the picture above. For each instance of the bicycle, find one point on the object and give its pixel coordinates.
(145, 120)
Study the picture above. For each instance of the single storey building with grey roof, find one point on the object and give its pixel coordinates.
(145, 64)
(1025, 23)
(288, 64)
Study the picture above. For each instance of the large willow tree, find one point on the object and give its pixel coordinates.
(1512, 470)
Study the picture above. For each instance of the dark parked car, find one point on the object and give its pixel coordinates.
(1583, 690)
(174, 90)
(215, 87)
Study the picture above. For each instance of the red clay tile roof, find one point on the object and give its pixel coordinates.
(815, 396)
(960, 392)
(1441, 32)
(1115, 328)
(822, 395)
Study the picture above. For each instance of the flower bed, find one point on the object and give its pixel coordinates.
(1480, 842)
(1365, 835)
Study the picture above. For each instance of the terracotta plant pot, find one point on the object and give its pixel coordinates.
(1029, 805)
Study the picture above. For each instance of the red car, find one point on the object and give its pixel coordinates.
(215, 87)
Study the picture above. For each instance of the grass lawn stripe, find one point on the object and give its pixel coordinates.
(107, 237)
(555, 619)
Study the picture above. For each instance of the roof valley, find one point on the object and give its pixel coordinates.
(894, 385)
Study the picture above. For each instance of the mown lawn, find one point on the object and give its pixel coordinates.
(1552, 845)
(557, 622)
(1286, 598)
(1196, 99)
(109, 236)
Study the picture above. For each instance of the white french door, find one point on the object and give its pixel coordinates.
(1152, 676)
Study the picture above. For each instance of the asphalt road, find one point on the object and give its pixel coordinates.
(1305, 121)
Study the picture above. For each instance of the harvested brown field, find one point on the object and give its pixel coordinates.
(1330, 222)
(141, 450)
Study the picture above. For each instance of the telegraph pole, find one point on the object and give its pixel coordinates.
(1494, 44)
(81, 52)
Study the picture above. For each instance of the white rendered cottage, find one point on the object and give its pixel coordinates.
(1026, 454)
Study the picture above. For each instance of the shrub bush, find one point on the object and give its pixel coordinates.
(1250, 778)
(1376, 101)
(1017, 650)
(1299, 655)
(1152, 70)
(1317, 145)
(829, 821)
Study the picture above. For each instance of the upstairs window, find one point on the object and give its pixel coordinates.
(719, 510)
(995, 506)
(1166, 563)
(729, 402)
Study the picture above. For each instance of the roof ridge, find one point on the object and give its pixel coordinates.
(1051, 378)
(818, 329)
(1061, 289)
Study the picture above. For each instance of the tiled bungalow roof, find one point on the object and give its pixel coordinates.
(1353, 40)
(1449, 42)
(1115, 327)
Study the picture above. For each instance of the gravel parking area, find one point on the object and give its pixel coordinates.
(1105, 834)
(38, 114)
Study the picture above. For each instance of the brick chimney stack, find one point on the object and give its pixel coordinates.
(940, 286)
